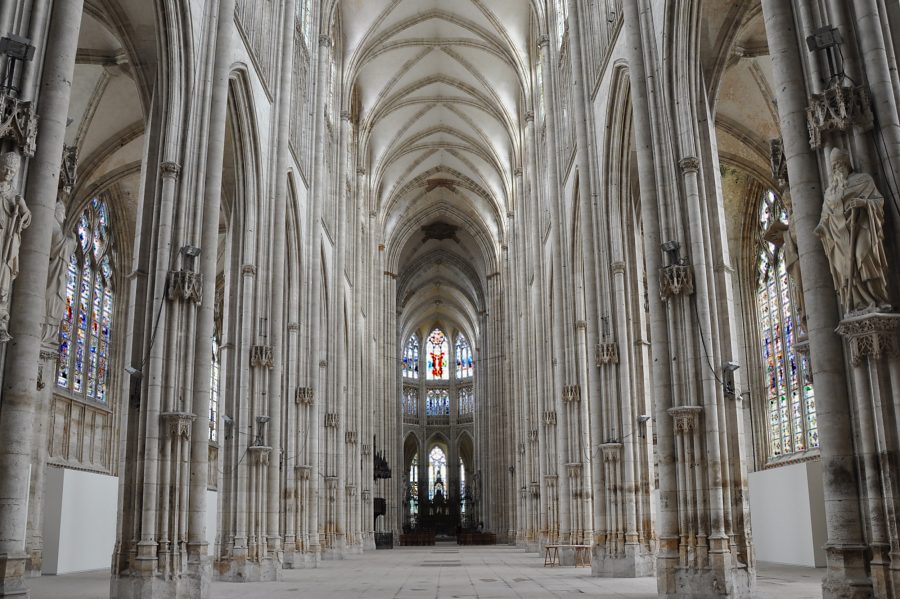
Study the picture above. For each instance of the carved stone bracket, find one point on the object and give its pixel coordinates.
(365, 449)
(521, 449)
(262, 356)
(612, 452)
(778, 161)
(871, 336)
(178, 424)
(675, 280)
(302, 472)
(304, 395)
(332, 420)
(686, 417)
(350, 437)
(838, 108)
(259, 454)
(535, 489)
(185, 285)
(18, 122)
(550, 418)
(533, 435)
(366, 496)
(607, 353)
(574, 470)
(571, 393)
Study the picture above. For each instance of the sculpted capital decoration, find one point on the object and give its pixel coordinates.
(689, 164)
(18, 122)
(304, 395)
(852, 231)
(325, 41)
(674, 280)
(607, 353)
(185, 285)
(686, 418)
(178, 424)
(871, 336)
(262, 356)
(550, 418)
(838, 108)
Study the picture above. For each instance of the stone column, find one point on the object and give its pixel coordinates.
(667, 522)
(28, 297)
(846, 575)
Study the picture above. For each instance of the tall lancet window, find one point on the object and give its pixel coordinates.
(437, 472)
(464, 363)
(789, 390)
(411, 358)
(304, 16)
(438, 348)
(84, 332)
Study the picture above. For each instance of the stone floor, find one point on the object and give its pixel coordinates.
(442, 571)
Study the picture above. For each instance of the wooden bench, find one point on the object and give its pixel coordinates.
(582, 555)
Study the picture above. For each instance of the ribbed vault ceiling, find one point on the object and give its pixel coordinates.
(439, 89)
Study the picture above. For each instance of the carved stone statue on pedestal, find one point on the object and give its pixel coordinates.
(14, 218)
(61, 248)
(852, 230)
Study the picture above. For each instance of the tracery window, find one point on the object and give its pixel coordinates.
(437, 356)
(437, 469)
(84, 332)
(411, 358)
(464, 364)
(437, 403)
(414, 486)
(466, 401)
(410, 401)
(462, 486)
(789, 390)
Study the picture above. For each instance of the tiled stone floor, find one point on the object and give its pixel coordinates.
(444, 571)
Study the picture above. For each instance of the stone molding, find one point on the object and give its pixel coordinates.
(350, 437)
(607, 353)
(304, 395)
(185, 285)
(838, 108)
(871, 335)
(675, 280)
(535, 489)
(550, 418)
(612, 452)
(366, 495)
(262, 356)
(686, 417)
(302, 472)
(169, 169)
(533, 435)
(332, 419)
(178, 424)
(689, 164)
(18, 122)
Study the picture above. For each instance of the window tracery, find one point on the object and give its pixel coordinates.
(464, 362)
(84, 332)
(466, 401)
(437, 468)
(437, 356)
(437, 403)
(411, 358)
(790, 396)
(410, 401)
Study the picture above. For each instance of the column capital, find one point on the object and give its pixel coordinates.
(529, 116)
(543, 41)
(325, 41)
(689, 164)
(169, 169)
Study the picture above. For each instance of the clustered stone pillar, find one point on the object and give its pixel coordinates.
(27, 309)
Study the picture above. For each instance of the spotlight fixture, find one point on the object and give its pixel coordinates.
(672, 249)
(828, 39)
(17, 49)
(643, 419)
(135, 372)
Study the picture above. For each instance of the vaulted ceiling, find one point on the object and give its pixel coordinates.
(440, 93)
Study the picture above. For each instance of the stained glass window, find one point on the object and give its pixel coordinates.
(562, 10)
(437, 403)
(464, 363)
(410, 401)
(466, 401)
(414, 486)
(789, 391)
(84, 332)
(214, 373)
(438, 369)
(462, 486)
(411, 358)
(437, 470)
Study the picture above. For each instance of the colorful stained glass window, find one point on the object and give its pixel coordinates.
(462, 486)
(214, 376)
(413, 495)
(790, 396)
(437, 471)
(437, 403)
(84, 332)
(438, 369)
(464, 362)
(466, 401)
(411, 358)
(410, 401)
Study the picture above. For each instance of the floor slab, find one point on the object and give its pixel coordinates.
(443, 571)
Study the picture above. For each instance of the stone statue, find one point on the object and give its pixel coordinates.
(14, 218)
(61, 249)
(852, 230)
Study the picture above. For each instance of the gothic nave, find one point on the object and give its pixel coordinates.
(295, 294)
